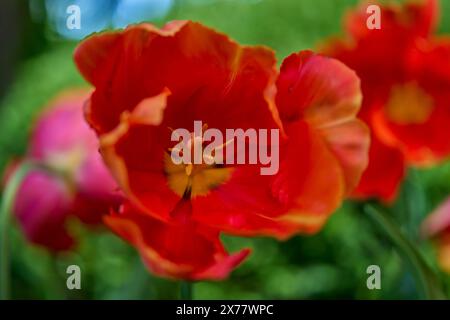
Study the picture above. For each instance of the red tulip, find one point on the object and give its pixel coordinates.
(150, 82)
(406, 84)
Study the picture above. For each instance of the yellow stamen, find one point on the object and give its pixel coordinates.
(409, 104)
(188, 169)
(194, 179)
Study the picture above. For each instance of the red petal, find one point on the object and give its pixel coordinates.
(329, 104)
(94, 55)
(384, 175)
(307, 189)
(418, 18)
(305, 89)
(91, 56)
(207, 73)
(380, 57)
(350, 144)
(134, 152)
(311, 179)
(182, 250)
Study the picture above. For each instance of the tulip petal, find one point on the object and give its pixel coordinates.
(306, 90)
(438, 221)
(310, 177)
(43, 206)
(384, 174)
(134, 152)
(206, 72)
(350, 144)
(307, 189)
(437, 225)
(179, 250)
(416, 18)
(329, 104)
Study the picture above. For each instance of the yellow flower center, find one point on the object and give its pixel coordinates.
(191, 180)
(409, 104)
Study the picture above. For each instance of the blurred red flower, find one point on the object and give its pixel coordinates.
(150, 81)
(437, 226)
(405, 78)
(73, 181)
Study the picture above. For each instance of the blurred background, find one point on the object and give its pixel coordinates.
(36, 63)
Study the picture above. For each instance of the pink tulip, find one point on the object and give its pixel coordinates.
(73, 182)
(437, 225)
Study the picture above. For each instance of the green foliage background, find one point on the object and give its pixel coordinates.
(331, 264)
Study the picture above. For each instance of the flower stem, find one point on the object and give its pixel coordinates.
(5, 217)
(186, 290)
(426, 279)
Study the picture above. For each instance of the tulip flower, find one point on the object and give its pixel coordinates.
(151, 82)
(437, 226)
(70, 179)
(405, 82)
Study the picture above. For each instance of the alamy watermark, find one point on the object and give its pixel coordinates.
(209, 146)
(374, 280)
(74, 279)
(73, 20)
(374, 19)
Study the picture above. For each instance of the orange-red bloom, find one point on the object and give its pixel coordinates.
(437, 225)
(150, 81)
(405, 77)
(73, 181)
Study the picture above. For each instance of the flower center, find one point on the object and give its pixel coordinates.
(409, 104)
(191, 180)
